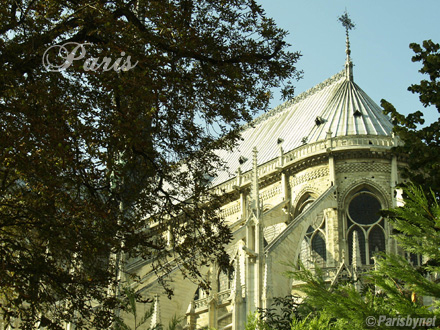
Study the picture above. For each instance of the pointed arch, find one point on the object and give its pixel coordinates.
(383, 195)
(319, 248)
(225, 280)
(304, 199)
(305, 252)
(376, 241)
(362, 202)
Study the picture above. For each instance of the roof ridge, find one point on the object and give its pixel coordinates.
(296, 99)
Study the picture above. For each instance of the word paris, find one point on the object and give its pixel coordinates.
(77, 52)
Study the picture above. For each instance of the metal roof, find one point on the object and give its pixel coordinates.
(337, 105)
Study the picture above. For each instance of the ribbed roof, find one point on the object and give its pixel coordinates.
(337, 105)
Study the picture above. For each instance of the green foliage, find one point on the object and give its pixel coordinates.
(421, 149)
(131, 308)
(418, 223)
(320, 322)
(342, 302)
(175, 322)
(254, 322)
(280, 314)
(140, 321)
(418, 231)
(96, 163)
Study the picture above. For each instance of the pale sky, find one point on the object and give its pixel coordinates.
(379, 43)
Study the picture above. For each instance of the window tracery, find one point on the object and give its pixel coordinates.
(313, 246)
(363, 216)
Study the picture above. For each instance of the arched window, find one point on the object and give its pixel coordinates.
(225, 281)
(318, 248)
(414, 259)
(364, 208)
(304, 203)
(313, 246)
(376, 241)
(305, 253)
(200, 294)
(363, 216)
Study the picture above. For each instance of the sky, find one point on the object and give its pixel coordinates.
(379, 43)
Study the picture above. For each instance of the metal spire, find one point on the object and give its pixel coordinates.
(348, 24)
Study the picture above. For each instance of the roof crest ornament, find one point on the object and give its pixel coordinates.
(348, 24)
(280, 108)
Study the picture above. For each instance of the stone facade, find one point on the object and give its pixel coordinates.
(312, 197)
(303, 214)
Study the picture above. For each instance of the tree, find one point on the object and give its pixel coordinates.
(278, 316)
(280, 313)
(111, 112)
(421, 144)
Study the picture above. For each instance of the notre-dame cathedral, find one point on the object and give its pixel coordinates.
(310, 178)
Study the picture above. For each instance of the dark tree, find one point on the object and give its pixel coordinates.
(421, 143)
(99, 158)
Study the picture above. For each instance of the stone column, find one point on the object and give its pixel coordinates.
(267, 295)
(155, 319)
(333, 237)
(212, 299)
(238, 312)
(212, 313)
(191, 316)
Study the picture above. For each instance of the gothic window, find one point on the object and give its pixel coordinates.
(376, 241)
(304, 203)
(414, 259)
(225, 281)
(305, 252)
(363, 217)
(313, 246)
(364, 208)
(200, 294)
(318, 247)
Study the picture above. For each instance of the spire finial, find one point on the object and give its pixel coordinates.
(348, 24)
(254, 187)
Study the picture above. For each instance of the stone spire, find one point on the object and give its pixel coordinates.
(356, 257)
(348, 25)
(356, 261)
(155, 319)
(237, 289)
(238, 311)
(255, 196)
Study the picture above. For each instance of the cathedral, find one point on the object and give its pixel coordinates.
(308, 180)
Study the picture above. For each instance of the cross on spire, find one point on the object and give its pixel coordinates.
(348, 24)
